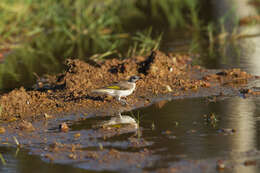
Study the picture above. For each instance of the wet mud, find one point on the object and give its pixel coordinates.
(46, 117)
(70, 92)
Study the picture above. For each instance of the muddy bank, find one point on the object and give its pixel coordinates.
(56, 119)
(70, 92)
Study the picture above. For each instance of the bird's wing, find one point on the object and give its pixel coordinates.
(119, 86)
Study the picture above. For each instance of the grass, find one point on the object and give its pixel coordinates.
(219, 38)
(144, 43)
(80, 28)
(2, 159)
(137, 119)
(40, 35)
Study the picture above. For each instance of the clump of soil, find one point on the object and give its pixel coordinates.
(69, 92)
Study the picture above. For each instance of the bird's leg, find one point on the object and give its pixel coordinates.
(122, 100)
(119, 113)
(118, 98)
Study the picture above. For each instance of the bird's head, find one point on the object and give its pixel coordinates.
(134, 78)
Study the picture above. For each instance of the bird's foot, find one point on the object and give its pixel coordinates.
(123, 101)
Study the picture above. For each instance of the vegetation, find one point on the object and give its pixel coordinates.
(2, 159)
(39, 35)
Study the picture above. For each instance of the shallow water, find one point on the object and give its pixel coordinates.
(20, 161)
(178, 136)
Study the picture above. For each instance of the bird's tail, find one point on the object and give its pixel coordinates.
(100, 91)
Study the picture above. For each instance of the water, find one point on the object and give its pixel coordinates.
(193, 138)
(20, 161)
(177, 134)
(197, 139)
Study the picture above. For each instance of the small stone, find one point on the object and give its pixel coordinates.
(92, 155)
(227, 130)
(49, 156)
(47, 116)
(2, 130)
(72, 156)
(250, 163)
(167, 132)
(220, 165)
(77, 135)
(64, 127)
(161, 104)
(169, 89)
(207, 84)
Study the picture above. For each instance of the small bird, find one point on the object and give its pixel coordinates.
(120, 89)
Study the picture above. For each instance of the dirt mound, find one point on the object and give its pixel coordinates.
(71, 91)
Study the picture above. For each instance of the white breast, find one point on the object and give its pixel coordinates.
(124, 93)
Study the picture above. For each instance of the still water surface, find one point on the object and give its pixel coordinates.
(178, 134)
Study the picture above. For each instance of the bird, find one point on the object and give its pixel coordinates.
(119, 89)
